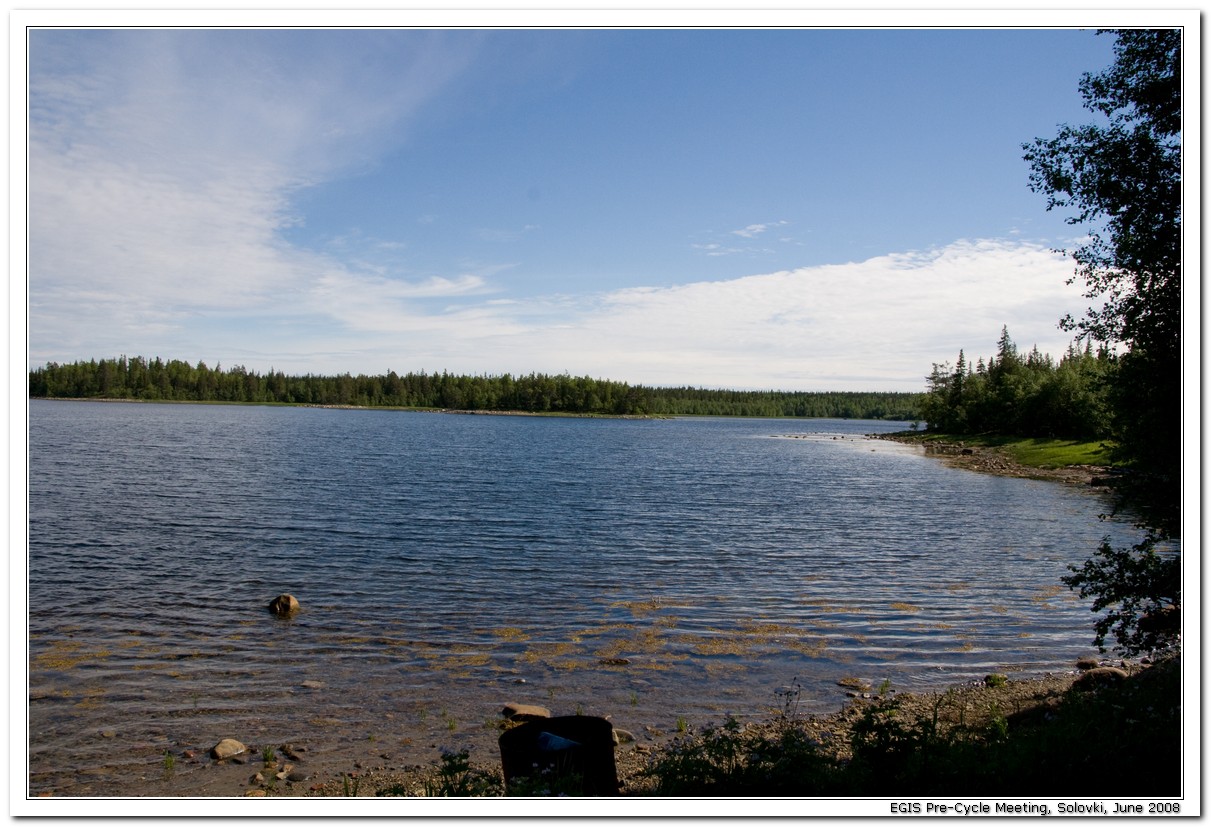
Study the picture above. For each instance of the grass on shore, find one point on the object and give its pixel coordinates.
(1034, 452)
(1120, 739)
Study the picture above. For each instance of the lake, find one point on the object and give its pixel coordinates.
(648, 570)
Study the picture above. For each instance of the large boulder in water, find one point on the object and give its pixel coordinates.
(284, 604)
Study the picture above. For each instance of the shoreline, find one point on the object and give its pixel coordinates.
(830, 731)
(1026, 702)
(992, 460)
(459, 411)
(317, 406)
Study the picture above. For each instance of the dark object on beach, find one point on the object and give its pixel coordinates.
(284, 604)
(1100, 677)
(562, 749)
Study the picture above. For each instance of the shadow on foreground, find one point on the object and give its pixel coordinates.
(1108, 731)
(1111, 732)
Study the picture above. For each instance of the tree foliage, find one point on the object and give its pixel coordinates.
(1139, 588)
(175, 380)
(1029, 395)
(1121, 178)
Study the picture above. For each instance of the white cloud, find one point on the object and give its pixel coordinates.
(876, 324)
(161, 186)
(162, 165)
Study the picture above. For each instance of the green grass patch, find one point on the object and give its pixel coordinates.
(1035, 452)
(1056, 453)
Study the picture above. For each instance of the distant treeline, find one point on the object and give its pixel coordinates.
(1030, 395)
(175, 380)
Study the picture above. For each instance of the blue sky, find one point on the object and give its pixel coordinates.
(820, 209)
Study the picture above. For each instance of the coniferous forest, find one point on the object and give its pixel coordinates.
(1028, 395)
(137, 378)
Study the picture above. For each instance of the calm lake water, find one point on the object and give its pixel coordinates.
(647, 570)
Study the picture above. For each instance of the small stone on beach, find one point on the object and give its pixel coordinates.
(524, 712)
(227, 748)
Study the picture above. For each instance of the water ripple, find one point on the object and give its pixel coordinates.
(443, 556)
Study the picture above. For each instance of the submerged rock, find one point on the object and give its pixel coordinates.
(284, 604)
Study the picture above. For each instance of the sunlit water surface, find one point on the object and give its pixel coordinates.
(648, 570)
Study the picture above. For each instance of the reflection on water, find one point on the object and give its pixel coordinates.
(646, 570)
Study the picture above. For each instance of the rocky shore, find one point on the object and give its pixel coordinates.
(988, 460)
(285, 770)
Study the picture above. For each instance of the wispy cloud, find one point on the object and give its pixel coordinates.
(723, 244)
(162, 166)
(716, 249)
(754, 230)
(504, 236)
